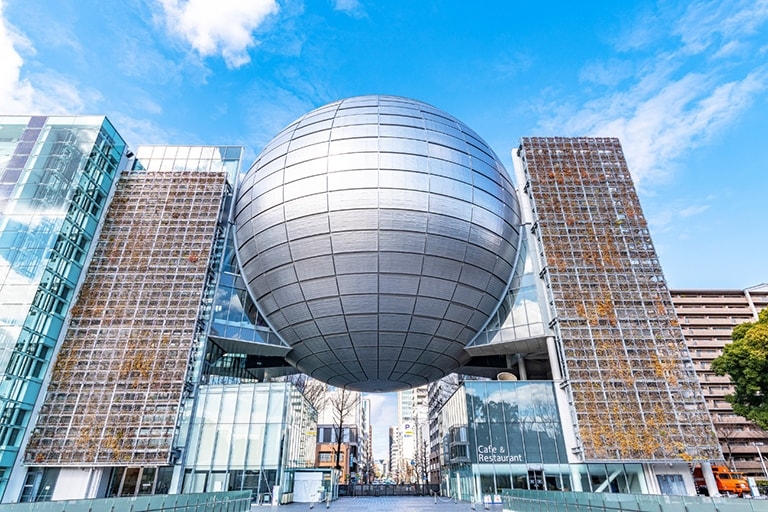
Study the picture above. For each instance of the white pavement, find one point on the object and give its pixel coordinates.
(383, 504)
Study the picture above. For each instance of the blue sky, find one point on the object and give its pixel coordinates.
(681, 83)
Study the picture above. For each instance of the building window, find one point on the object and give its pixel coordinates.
(325, 457)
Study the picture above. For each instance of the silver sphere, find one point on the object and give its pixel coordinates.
(377, 235)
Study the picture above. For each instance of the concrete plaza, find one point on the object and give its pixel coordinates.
(385, 504)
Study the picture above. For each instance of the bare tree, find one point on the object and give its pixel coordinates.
(728, 433)
(343, 403)
(421, 449)
(312, 389)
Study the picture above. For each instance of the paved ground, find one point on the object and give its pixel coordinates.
(383, 504)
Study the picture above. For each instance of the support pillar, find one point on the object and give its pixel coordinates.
(521, 367)
(709, 478)
(554, 360)
(576, 478)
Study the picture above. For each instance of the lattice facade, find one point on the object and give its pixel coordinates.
(124, 365)
(634, 392)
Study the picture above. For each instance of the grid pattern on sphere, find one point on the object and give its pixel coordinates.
(377, 234)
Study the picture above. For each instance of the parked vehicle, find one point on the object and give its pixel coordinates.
(728, 482)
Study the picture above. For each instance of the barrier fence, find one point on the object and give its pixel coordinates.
(235, 501)
(522, 500)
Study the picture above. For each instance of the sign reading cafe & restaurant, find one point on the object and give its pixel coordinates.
(493, 454)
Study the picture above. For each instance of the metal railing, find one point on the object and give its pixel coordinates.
(388, 490)
(235, 501)
(522, 500)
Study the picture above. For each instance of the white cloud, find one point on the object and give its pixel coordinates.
(643, 31)
(692, 210)
(610, 72)
(44, 93)
(673, 103)
(222, 27)
(665, 217)
(270, 108)
(729, 49)
(351, 7)
(137, 131)
(15, 93)
(512, 64)
(705, 24)
(657, 128)
(49, 92)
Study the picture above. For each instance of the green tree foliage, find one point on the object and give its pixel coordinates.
(745, 361)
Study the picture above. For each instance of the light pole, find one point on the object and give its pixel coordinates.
(762, 461)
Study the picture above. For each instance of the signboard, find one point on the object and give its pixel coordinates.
(492, 454)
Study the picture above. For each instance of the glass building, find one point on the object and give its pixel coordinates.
(56, 177)
(153, 390)
(249, 436)
(587, 315)
(508, 435)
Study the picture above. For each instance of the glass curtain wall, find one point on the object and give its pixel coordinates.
(56, 175)
(247, 436)
(519, 316)
(507, 435)
(234, 315)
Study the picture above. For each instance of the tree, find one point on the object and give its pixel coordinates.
(343, 403)
(745, 361)
(728, 433)
(312, 389)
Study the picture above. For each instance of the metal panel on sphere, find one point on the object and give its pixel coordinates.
(377, 235)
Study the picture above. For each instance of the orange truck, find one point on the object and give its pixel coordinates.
(728, 482)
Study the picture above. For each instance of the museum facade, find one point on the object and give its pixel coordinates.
(377, 243)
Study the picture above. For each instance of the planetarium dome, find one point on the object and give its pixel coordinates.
(376, 235)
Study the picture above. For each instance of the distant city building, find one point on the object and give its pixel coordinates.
(396, 469)
(366, 471)
(413, 416)
(347, 411)
(707, 318)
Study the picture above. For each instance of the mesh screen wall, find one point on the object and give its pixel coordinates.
(124, 365)
(634, 393)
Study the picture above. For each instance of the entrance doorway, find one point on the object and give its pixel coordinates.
(139, 481)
